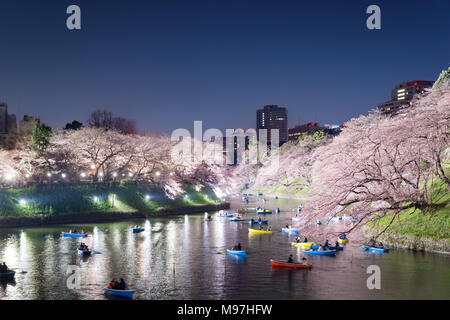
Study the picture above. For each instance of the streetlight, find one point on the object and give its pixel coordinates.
(83, 175)
(63, 175)
(115, 174)
(9, 176)
(95, 198)
(22, 202)
(147, 197)
(158, 173)
(49, 174)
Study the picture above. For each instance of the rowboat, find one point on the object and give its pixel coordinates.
(256, 221)
(74, 235)
(304, 245)
(275, 263)
(240, 253)
(120, 293)
(318, 223)
(225, 216)
(264, 212)
(322, 253)
(7, 275)
(236, 219)
(373, 249)
(277, 210)
(259, 231)
(84, 252)
(208, 219)
(242, 211)
(342, 240)
(137, 230)
(289, 230)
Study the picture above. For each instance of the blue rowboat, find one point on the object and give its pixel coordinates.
(84, 253)
(318, 223)
(322, 253)
(373, 249)
(335, 248)
(236, 219)
(260, 222)
(314, 247)
(7, 275)
(74, 235)
(137, 230)
(289, 230)
(264, 212)
(225, 216)
(120, 293)
(237, 253)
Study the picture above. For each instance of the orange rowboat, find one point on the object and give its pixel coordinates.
(289, 265)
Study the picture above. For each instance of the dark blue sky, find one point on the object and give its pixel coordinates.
(166, 63)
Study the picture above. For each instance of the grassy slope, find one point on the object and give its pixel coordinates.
(110, 197)
(432, 225)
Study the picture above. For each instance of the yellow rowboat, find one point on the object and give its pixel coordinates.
(252, 231)
(304, 245)
(242, 211)
(342, 241)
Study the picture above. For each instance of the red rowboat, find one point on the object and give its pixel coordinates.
(289, 265)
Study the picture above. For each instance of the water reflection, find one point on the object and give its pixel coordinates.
(182, 258)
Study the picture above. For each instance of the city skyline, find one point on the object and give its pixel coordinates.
(168, 65)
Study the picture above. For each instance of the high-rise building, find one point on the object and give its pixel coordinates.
(8, 122)
(402, 94)
(273, 117)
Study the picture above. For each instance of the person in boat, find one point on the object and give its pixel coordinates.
(380, 245)
(290, 260)
(121, 285)
(259, 219)
(336, 244)
(269, 228)
(372, 242)
(113, 284)
(326, 244)
(74, 230)
(253, 220)
(260, 227)
(304, 261)
(305, 240)
(287, 226)
(239, 247)
(297, 239)
(209, 218)
(83, 232)
(3, 268)
(343, 237)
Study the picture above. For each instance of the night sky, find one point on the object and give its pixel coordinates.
(167, 63)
